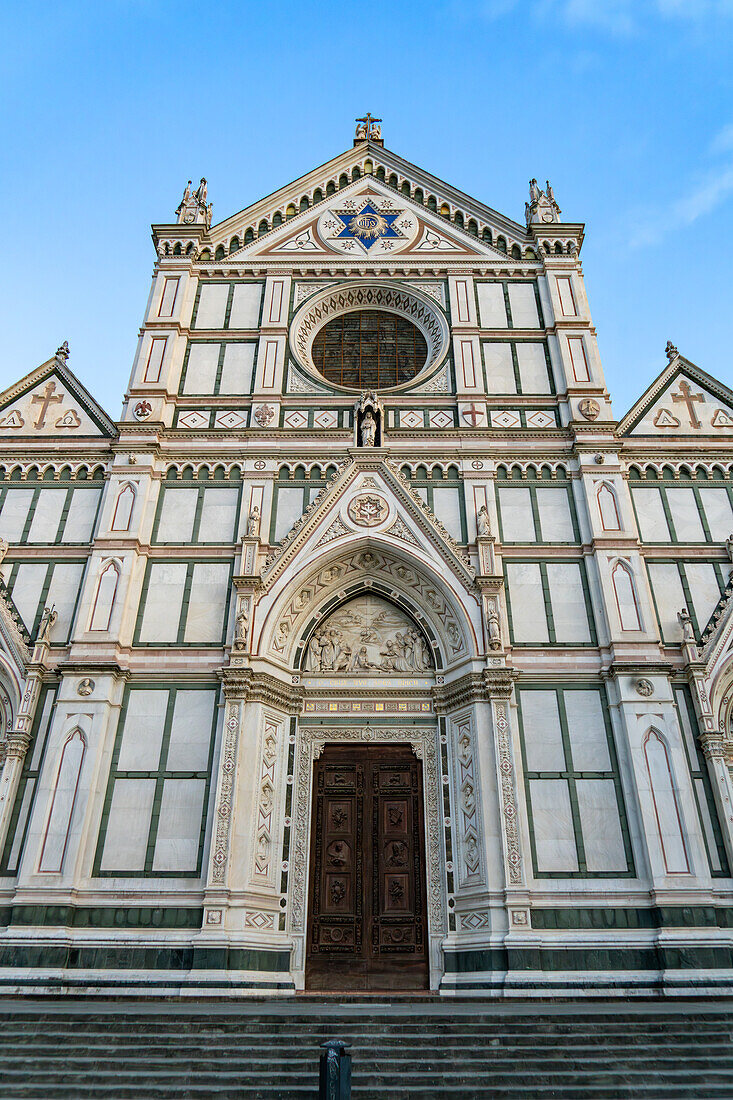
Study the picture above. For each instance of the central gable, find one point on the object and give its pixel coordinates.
(367, 220)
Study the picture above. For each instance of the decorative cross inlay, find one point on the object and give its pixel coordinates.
(687, 398)
(50, 397)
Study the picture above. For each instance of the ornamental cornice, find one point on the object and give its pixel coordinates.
(474, 687)
(246, 685)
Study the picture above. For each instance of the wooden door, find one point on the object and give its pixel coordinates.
(366, 922)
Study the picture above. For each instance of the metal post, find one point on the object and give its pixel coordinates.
(335, 1075)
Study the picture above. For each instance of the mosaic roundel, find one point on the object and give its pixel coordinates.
(367, 225)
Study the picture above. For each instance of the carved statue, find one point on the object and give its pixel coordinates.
(376, 131)
(482, 521)
(240, 634)
(253, 523)
(671, 351)
(685, 620)
(534, 191)
(361, 131)
(4, 547)
(201, 192)
(728, 547)
(48, 618)
(494, 624)
(368, 429)
(62, 353)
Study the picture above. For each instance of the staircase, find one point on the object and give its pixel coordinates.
(421, 1050)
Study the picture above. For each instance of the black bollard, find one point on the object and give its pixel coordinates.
(335, 1077)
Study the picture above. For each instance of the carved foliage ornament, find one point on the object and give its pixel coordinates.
(367, 510)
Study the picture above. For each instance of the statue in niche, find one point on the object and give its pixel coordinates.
(368, 429)
(253, 523)
(240, 634)
(685, 620)
(482, 521)
(368, 634)
(494, 624)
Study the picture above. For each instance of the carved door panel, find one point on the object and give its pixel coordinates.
(367, 921)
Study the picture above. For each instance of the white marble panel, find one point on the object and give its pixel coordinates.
(517, 519)
(289, 508)
(246, 305)
(650, 514)
(527, 603)
(532, 367)
(587, 731)
(163, 602)
(236, 371)
(177, 514)
(600, 825)
(212, 305)
(704, 589)
(499, 367)
(207, 603)
(218, 515)
(556, 522)
(685, 516)
(190, 739)
(81, 515)
(446, 506)
(568, 602)
(552, 824)
(492, 309)
(718, 512)
(203, 362)
(15, 513)
(142, 735)
(542, 733)
(179, 826)
(47, 516)
(684, 717)
(62, 594)
(523, 305)
(26, 592)
(669, 597)
(126, 841)
(14, 855)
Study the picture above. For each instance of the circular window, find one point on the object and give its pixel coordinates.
(369, 349)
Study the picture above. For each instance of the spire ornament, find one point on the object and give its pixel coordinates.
(671, 351)
(194, 207)
(62, 353)
(542, 206)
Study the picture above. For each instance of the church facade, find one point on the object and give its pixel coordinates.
(368, 650)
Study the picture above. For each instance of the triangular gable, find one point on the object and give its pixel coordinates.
(345, 164)
(367, 220)
(682, 401)
(369, 497)
(51, 402)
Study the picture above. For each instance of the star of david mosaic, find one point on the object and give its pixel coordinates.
(367, 226)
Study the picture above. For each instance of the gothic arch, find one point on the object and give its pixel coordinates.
(366, 564)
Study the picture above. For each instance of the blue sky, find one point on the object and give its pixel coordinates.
(625, 105)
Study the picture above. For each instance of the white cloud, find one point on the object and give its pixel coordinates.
(708, 194)
(618, 18)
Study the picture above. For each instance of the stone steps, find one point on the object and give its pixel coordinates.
(259, 1051)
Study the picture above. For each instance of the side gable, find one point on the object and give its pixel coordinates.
(682, 401)
(52, 402)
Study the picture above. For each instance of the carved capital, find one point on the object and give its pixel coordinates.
(16, 745)
(713, 744)
(246, 685)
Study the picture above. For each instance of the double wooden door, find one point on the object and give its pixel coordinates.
(367, 922)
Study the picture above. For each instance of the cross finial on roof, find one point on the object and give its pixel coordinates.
(368, 129)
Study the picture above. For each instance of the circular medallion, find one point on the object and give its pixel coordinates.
(367, 510)
(367, 225)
